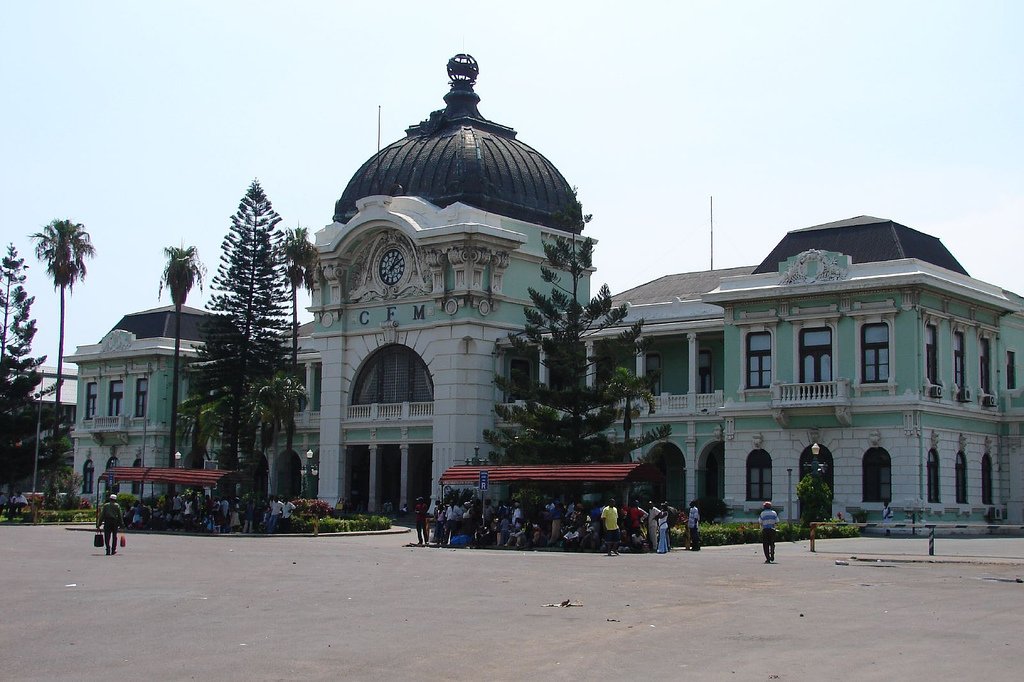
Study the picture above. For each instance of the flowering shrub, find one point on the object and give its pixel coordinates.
(311, 508)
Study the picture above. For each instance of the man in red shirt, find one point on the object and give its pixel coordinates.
(421, 521)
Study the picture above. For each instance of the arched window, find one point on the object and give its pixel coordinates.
(393, 374)
(111, 463)
(986, 479)
(877, 469)
(759, 475)
(933, 475)
(88, 474)
(961, 478)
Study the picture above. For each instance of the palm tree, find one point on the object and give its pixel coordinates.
(300, 259)
(272, 405)
(63, 246)
(183, 271)
(627, 387)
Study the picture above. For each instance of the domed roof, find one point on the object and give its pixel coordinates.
(458, 155)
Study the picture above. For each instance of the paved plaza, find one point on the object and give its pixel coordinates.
(367, 608)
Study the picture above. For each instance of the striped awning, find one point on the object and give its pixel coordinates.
(205, 478)
(634, 472)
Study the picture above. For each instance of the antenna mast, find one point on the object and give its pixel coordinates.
(378, 128)
(712, 232)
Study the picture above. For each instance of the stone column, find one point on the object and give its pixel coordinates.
(373, 502)
(403, 491)
(591, 369)
(542, 369)
(641, 364)
(691, 340)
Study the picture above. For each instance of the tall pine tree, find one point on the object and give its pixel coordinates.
(246, 335)
(19, 372)
(567, 420)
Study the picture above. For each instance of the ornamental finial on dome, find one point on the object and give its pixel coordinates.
(462, 71)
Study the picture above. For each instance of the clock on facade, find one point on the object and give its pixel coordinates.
(392, 267)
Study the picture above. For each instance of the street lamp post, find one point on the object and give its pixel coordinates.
(309, 472)
(789, 495)
(177, 460)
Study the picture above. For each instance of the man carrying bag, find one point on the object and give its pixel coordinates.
(110, 519)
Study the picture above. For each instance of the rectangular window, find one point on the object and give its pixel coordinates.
(704, 374)
(759, 360)
(519, 375)
(931, 354)
(875, 353)
(116, 398)
(141, 394)
(984, 365)
(959, 377)
(90, 400)
(815, 355)
(1011, 370)
(652, 369)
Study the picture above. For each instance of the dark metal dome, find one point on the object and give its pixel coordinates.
(458, 155)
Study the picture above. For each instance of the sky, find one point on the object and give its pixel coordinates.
(147, 121)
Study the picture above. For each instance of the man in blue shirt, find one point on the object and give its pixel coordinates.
(769, 518)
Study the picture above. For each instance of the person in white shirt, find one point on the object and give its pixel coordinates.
(692, 522)
(768, 519)
(286, 516)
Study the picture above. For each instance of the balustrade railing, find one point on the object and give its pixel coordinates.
(389, 411)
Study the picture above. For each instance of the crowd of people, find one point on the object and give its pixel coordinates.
(13, 506)
(569, 526)
(194, 512)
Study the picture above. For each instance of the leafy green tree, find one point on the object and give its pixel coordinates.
(19, 372)
(245, 335)
(567, 419)
(63, 246)
(300, 259)
(271, 406)
(815, 499)
(628, 388)
(182, 272)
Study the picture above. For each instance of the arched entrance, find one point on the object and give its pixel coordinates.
(825, 465)
(289, 475)
(711, 475)
(672, 463)
(384, 475)
(261, 476)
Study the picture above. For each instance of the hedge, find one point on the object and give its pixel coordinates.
(351, 524)
(713, 534)
(57, 516)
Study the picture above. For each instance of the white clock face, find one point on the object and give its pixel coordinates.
(392, 267)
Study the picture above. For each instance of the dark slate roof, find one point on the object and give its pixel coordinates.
(159, 322)
(457, 155)
(866, 239)
(685, 286)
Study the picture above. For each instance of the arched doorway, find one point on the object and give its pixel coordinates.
(289, 475)
(711, 476)
(261, 476)
(825, 465)
(672, 463)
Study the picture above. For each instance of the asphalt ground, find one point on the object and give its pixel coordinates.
(173, 607)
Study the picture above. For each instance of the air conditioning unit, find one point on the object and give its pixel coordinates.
(964, 395)
(988, 400)
(935, 391)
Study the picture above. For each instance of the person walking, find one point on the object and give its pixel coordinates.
(610, 523)
(768, 519)
(692, 524)
(109, 518)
